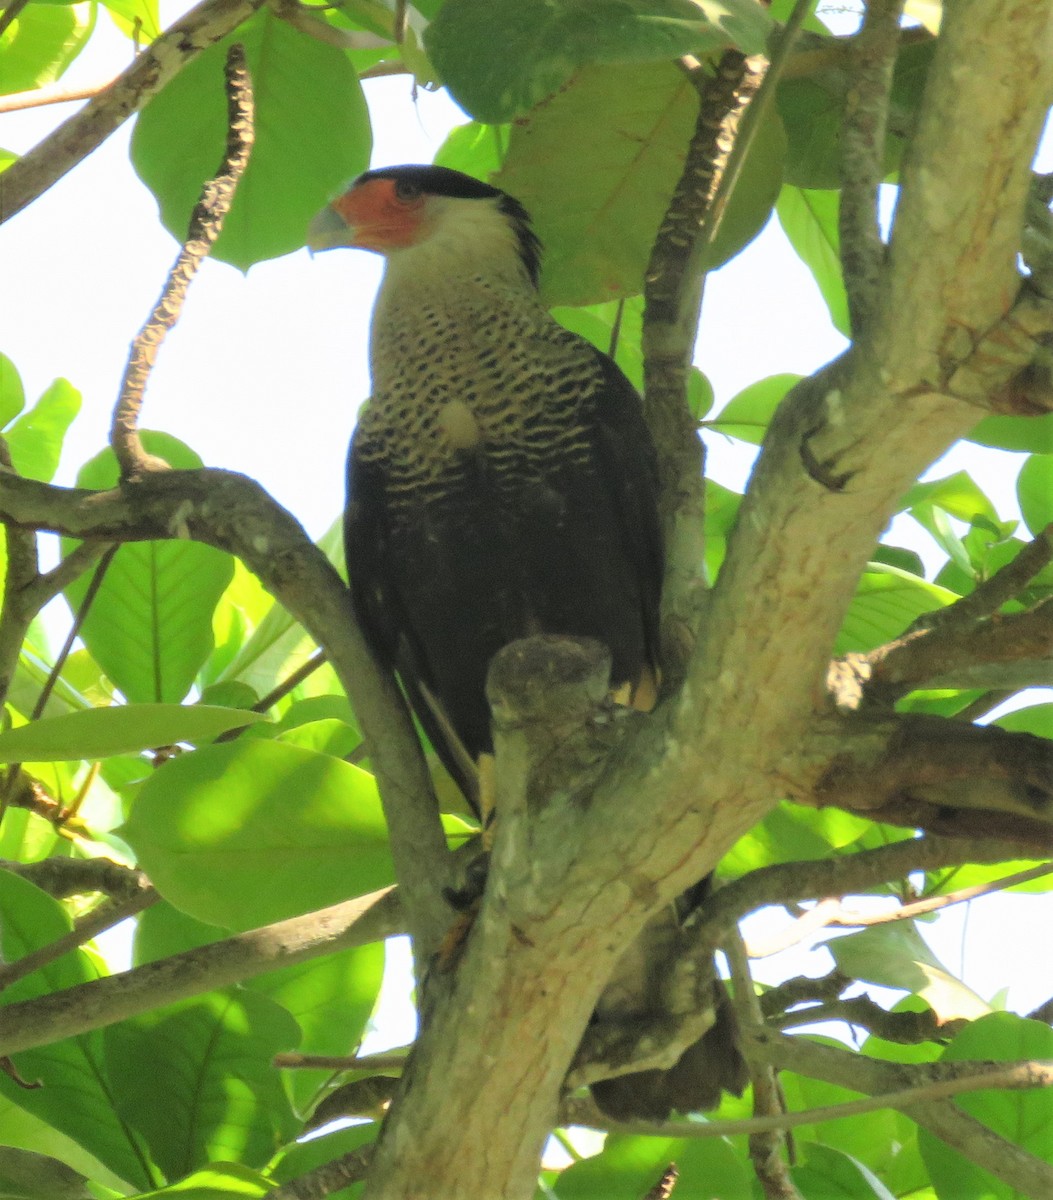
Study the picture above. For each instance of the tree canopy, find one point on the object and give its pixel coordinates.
(214, 755)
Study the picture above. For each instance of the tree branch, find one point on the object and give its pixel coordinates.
(936, 774)
(918, 1091)
(328, 1178)
(873, 60)
(235, 514)
(766, 1146)
(113, 998)
(206, 221)
(831, 912)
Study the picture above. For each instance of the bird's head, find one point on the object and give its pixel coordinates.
(398, 209)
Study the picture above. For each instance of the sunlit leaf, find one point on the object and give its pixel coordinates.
(312, 135)
(631, 1166)
(809, 219)
(886, 602)
(150, 624)
(136, 19)
(75, 1096)
(122, 729)
(1024, 1118)
(474, 148)
(1034, 489)
(12, 394)
(40, 44)
(1033, 434)
(253, 831)
(196, 1082)
(218, 1181)
(897, 956)
(834, 1175)
(747, 415)
(35, 439)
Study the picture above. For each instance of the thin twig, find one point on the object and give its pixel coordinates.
(830, 912)
(1004, 585)
(767, 1146)
(10, 14)
(390, 1061)
(973, 1077)
(105, 917)
(302, 672)
(52, 94)
(873, 60)
(206, 221)
(78, 623)
(921, 1091)
(88, 128)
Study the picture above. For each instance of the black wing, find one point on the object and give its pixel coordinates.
(557, 540)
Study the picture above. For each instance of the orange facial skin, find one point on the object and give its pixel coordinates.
(379, 218)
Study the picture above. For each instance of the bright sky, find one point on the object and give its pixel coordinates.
(265, 372)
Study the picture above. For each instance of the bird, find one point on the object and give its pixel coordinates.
(502, 482)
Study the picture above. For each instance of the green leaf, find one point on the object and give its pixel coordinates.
(631, 1166)
(306, 1156)
(956, 494)
(196, 1081)
(899, 557)
(41, 43)
(829, 1174)
(812, 111)
(251, 832)
(136, 19)
(884, 1142)
(327, 737)
(1024, 1118)
(30, 1133)
(597, 323)
(331, 999)
(747, 415)
(12, 393)
(500, 57)
(1037, 719)
(28, 1176)
(1034, 490)
(474, 149)
(150, 624)
(787, 834)
(76, 1097)
(595, 166)
(1033, 434)
(123, 729)
(35, 439)
(216, 1182)
(722, 509)
(312, 135)
(897, 956)
(886, 602)
(809, 220)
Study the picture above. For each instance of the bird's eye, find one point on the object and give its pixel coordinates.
(406, 189)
